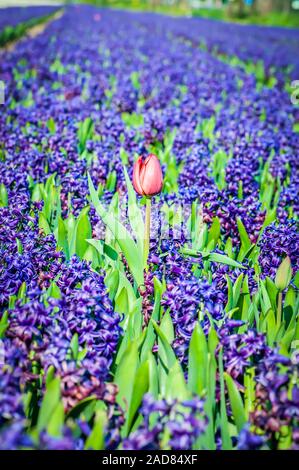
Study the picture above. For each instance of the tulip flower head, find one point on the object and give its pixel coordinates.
(147, 176)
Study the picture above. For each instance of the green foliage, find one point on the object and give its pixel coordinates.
(207, 128)
(49, 193)
(3, 196)
(273, 18)
(51, 414)
(133, 120)
(218, 164)
(84, 134)
(96, 439)
(51, 126)
(236, 402)
(121, 235)
(213, 257)
(224, 424)
(4, 324)
(135, 80)
(164, 150)
(198, 361)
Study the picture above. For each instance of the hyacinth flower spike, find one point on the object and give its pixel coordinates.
(147, 181)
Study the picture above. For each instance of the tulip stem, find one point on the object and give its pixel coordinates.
(147, 230)
(279, 310)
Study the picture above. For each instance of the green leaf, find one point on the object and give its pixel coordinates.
(133, 120)
(125, 375)
(245, 240)
(91, 256)
(246, 301)
(85, 133)
(223, 259)
(164, 346)
(235, 402)
(140, 387)
(265, 299)
(22, 291)
(36, 194)
(111, 181)
(237, 290)
(83, 232)
(198, 359)
(296, 279)
(56, 421)
(290, 297)
(210, 404)
(96, 439)
(109, 251)
(214, 257)
(51, 126)
(218, 163)
(49, 403)
(271, 327)
(149, 341)
(132, 326)
(112, 282)
(43, 224)
(103, 248)
(52, 203)
(153, 375)
(167, 327)
(131, 294)
(287, 339)
(74, 346)
(207, 441)
(207, 127)
(272, 292)
(50, 375)
(121, 301)
(126, 243)
(230, 298)
(134, 212)
(228, 249)
(70, 224)
(62, 240)
(214, 232)
(135, 80)
(3, 196)
(212, 341)
(225, 435)
(4, 324)
(240, 189)
(82, 407)
(53, 291)
(176, 387)
(19, 246)
(270, 217)
(123, 156)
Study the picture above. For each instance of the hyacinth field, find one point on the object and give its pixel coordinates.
(195, 346)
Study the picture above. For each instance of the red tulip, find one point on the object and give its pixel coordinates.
(147, 176)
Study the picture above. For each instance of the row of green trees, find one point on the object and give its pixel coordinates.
(240, 7)
(237, 8)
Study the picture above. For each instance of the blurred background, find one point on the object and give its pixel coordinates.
(267, 12)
